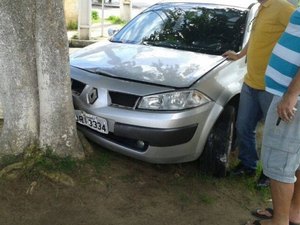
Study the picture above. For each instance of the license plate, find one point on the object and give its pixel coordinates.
(94, 122)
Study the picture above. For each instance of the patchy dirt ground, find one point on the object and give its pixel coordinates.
(111, 189)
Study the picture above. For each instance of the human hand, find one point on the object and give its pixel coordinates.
(286, 107)
(231, 55)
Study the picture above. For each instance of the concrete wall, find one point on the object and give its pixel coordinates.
(125, 9)
(71, 11)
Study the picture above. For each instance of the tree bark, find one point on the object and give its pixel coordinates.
(19, 89)
(35, 79)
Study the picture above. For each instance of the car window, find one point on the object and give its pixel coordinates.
(142, 27)
(209, 29)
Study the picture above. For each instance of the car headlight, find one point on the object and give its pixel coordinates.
(174, 100)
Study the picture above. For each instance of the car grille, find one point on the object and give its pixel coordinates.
(77, 87)
(118, 99)
(123, 100)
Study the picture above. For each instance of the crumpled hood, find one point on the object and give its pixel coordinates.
(157, 65)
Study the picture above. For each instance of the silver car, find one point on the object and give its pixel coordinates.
(159, 90)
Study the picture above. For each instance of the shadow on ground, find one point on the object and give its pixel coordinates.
(111, 189)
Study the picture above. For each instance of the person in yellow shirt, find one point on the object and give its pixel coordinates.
(268, 25)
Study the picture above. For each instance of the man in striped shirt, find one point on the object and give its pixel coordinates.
(281, 139)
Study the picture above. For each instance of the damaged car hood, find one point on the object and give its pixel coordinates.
(149, 64)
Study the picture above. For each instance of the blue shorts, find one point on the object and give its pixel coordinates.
(281, 146)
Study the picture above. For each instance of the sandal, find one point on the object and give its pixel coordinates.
(261, 213)
(291, 223)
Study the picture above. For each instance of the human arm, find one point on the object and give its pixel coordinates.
(232, 55)
(286, 108)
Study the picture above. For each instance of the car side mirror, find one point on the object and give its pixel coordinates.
(112, 31)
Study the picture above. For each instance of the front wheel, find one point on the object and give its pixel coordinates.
(214, 159)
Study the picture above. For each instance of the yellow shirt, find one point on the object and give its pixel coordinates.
(271, 20)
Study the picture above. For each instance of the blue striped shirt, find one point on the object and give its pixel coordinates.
(285, 59)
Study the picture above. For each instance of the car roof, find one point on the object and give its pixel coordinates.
(235, 3)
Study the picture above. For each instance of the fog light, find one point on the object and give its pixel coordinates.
(140, 144)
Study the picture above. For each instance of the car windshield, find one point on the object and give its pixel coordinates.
(192, 27)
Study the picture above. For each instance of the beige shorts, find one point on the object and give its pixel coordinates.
(281, 145)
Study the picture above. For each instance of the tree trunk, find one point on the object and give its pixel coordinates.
(19, 89)
(35, 78)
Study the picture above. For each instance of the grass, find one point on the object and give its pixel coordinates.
(116, 20)
(98, 161)
(96, 21)
(36, 162)
(111, 19)
(242, 183)
(72, 25)
(188, 189)
(206, 199)
(51, 162)
(9, 159)
(185, 180)
(95, 17)
(184, 198)
(128, 178)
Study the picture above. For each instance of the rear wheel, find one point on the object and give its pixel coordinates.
(215, 157)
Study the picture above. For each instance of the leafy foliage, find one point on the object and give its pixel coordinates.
(115, 20)
(72, 25)
(95, 17)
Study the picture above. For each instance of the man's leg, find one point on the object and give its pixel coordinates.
(295, 205)
(265, 99)
(282, 194)
(280, 159)
(249, 114)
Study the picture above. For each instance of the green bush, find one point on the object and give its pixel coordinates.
(95, 17)
(72, 25)
(115, 20)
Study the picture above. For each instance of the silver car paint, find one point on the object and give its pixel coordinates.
(216, 84)
(156, 65)
(205, 115)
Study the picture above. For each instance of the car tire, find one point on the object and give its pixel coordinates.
(214, 159)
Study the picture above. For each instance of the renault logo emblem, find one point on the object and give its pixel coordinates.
(92, 96)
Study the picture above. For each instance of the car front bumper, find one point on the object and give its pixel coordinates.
(161, 137)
